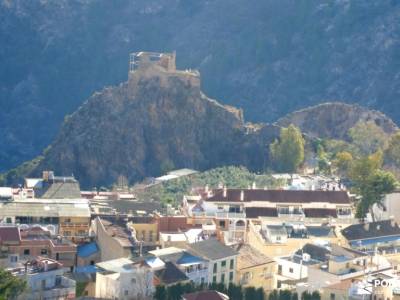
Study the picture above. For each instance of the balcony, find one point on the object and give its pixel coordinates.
(230, 215)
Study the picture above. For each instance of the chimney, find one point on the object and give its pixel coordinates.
(224, 192)
(45, 175)
(206, 188)
(254, 185)
(241, 195)
(46, 266)
(366, 226)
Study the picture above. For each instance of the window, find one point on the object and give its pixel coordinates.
(291, 270)
(278, 238)
(27, 252)
(221, 223)
(126, 293)
(214, 279)
(223, 264)
(43, 251)
(8, 220)
(279, 284)
(332, 297)
(220, 208)
(57, 256)
(67, 233)
(81, 232)
(13, 258)
(230, 276)
(215, 268)
(222, 278)
(67, 220)
(202, 280)
(232, 264)
(133, 280)
(150, 236)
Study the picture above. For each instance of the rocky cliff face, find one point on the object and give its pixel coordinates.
(268, 57)
(153, 119)
(333, 120)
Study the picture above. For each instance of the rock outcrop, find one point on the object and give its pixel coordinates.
(333, 120)
(159, 117)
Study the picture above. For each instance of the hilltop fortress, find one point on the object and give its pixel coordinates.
(146, 65)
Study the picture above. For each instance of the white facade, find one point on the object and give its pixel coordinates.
(391, 208)
(222, 270)
(137, 283)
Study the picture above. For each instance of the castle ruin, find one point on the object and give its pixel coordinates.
(145, 65)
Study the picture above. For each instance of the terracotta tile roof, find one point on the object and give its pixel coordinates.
(280, 196)
(10, 234)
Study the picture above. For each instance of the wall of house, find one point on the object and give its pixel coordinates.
(291, 269)
(392, 207)
(223, 274)
(132, 285)
(109, 247)
(261, 276)
(74, 227)
(146, 232)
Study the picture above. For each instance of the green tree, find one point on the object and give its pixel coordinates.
(10, 286)
(235, 292)
(392, 153)
(160, 293)
(374, 190)
(166, 166)
(285, 295)
(343, 161)
(287, 153)
(368, 137)
(250, 293)
(273, 295)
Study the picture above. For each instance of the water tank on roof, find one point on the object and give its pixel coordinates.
(52, 229)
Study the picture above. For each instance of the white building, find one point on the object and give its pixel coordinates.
(194, 267)
(221, 259)
(46, 280)
(123, 279)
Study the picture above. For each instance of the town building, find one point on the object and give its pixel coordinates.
(232, 208)
(123, 279)
(254, 269)
(390, 207)
(19, 245)
(194, 267)
(383, 236)
(113, 239)
(88, 254)
(222, 260)
(45, 279)
(66, 217)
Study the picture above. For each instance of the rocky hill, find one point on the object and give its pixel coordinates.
(333, 120)
(268, 57)
(159, 118)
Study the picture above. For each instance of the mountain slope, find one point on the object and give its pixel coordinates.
(268, 57)
(334, 120)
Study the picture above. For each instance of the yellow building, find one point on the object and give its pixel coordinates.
(255, 269)
(75, 227)
(146, 229)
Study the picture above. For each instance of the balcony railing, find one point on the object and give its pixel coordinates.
(230, 215)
